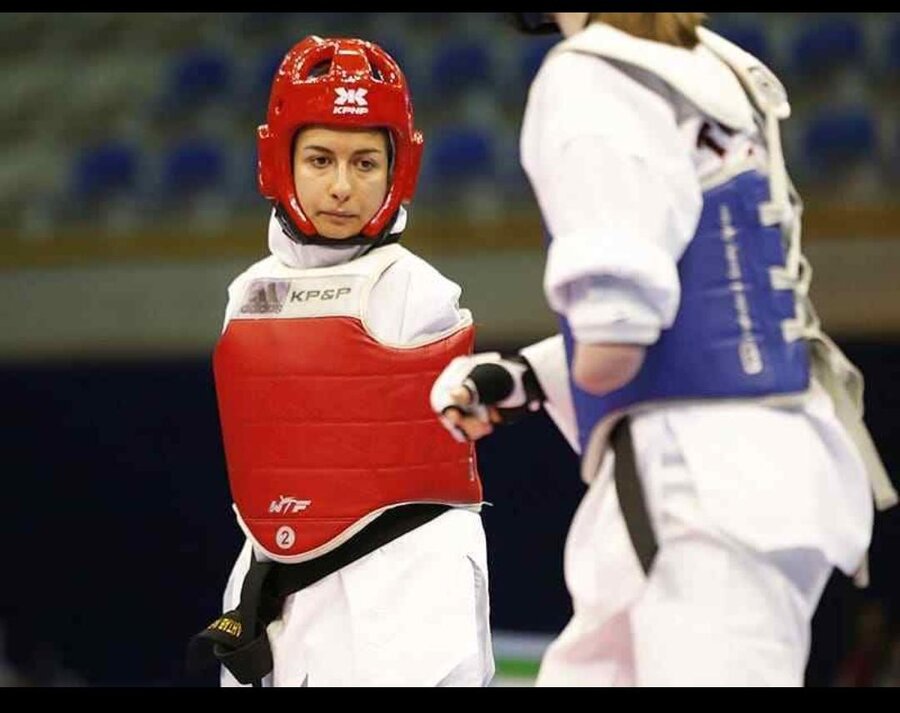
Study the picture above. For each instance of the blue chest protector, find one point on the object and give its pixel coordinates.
(726, 340)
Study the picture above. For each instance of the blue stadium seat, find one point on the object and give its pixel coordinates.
(750, 37)
(460, 64)
(460, 153)
(840, 137)
(827, 44)
(892, 50)
(456, 156)
(103, 170)
(196, 77)
(192, 166)
(533, 53)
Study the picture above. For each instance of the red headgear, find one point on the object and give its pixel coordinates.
(361, 87)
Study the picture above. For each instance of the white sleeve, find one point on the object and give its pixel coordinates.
(413, 301)
(548, 360)
(619, 194)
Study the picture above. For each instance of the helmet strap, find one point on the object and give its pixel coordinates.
(385, 237)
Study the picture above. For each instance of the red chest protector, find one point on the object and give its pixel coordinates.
(324, 427)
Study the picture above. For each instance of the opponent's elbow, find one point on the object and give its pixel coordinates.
(601, 368)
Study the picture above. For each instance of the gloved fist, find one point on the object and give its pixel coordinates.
(475, 392)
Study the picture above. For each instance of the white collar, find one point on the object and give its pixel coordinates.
(303, 256)
(698, 73)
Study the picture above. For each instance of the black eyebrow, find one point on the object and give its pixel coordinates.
(323, 149)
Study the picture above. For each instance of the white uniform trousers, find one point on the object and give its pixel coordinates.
(414, 612)
(712, 612)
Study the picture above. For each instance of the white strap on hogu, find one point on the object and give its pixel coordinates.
(784, 207)
(831, 368)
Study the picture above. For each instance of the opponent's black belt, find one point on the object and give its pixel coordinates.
(238, 639)
(631, 496)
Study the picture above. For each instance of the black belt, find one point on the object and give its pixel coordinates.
(238, 639)
(631, 496)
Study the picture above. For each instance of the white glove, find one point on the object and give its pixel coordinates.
(504, 386)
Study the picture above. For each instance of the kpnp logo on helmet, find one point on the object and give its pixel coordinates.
(351, 96)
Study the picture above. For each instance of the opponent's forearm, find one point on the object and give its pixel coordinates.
(601, 368)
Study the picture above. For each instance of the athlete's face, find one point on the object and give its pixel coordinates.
(340, 178)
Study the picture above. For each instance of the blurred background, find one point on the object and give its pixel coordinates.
(128, 203)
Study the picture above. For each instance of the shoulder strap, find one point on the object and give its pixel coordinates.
(764, 89)
(718, 95)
